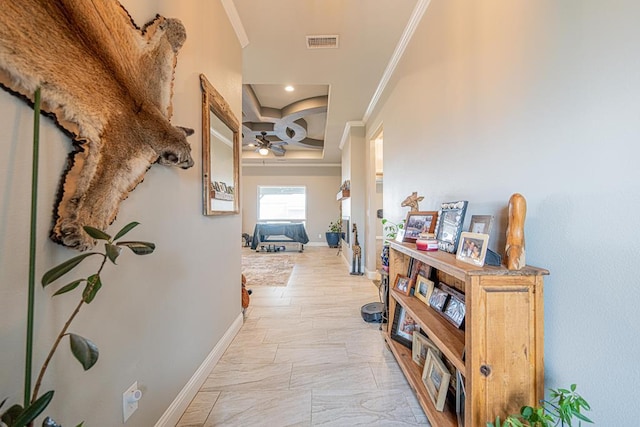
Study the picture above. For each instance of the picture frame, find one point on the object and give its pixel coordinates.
(455, 310)
(438, 299)
(400, 235)
(436, 378)
(403, 327)
(423, 288)
(473, 248)
(402, 284)
(461, 396)
(481, 224)
(421, 345)
(418, 222)
(449, 226)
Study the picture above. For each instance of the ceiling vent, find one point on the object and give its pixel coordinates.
(322, 42)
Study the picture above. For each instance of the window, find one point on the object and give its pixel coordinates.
(282, 203)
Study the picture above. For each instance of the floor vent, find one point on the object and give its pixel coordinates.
(322, 42)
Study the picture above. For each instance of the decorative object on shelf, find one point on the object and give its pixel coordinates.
(402, 284)
(473, 248)
(455, 310)
(334, 234)
(412, 202)
(515, 232)
(565, 406)
(426, 244)
(449, 226)
(436, 378)
(421, 345)
(481, 224)
(403, 327)
(99, 43)
(356, 262)
(418, 223)
(438, 299)
(424, 288)
(391, 229)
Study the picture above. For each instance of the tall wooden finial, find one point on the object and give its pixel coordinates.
(515, 252)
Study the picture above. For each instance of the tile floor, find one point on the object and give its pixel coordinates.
(305, 357)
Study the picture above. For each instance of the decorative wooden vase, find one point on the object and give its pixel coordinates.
(514, 250)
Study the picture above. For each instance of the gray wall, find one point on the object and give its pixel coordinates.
(322, 185)
(540, 98)
(157, 317)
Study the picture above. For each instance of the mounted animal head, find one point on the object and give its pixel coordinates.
(106, 82)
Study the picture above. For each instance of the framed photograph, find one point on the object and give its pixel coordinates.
(403, 327)
(421, 345)
(402, 284)
(450, 220)
(438, 299)
(424, 288)
(455, 310)
(481, 224)
(460, 398)
(436, 378)
(400, 235)
(419, 222)
(473, 248)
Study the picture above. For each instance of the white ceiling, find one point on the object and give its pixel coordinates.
(276, 55)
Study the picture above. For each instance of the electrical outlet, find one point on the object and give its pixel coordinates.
(319, 236)
(130, 401)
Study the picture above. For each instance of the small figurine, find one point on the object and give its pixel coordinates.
(514, 250)
(412, 202)
(357, 254)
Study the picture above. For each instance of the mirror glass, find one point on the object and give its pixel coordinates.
(220, 153)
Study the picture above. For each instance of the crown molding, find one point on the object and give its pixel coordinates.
(347, 129)
(236, 23)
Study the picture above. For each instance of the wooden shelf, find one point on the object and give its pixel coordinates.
(413, 374)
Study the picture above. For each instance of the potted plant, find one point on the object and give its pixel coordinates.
(390, 232)
(334, 234)
(562, 409)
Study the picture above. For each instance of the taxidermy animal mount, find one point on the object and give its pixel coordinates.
(106, 82)
(412, 201)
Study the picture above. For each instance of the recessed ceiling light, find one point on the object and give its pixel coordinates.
(289, 88)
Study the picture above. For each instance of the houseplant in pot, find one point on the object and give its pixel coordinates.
(334, 234)
(390, 232)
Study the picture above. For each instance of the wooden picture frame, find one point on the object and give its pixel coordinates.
(403, 327)
(423, 289)
(418, 222)
(450, 220)
(481, 224)
(436, 378)
(402, 284)
(421, 345)
(473, 248)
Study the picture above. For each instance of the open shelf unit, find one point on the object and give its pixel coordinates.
(502, 340)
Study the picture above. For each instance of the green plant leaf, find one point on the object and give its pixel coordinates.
(62, 269)
(112, 251)
(125, 229)
(71, 286)
(93, 286)
(84, 350)
(11, 414)
(96, 233)
(139, 248)
(32, 411)
(81, 424)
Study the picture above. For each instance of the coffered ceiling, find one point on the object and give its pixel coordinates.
(332, 85)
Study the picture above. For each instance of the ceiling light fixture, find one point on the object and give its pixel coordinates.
(289, 88)
(263, 151)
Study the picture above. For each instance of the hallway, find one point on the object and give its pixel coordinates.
(305, 357)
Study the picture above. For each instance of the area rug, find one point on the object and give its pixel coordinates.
(267, 268)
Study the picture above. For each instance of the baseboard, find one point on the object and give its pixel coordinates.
(173, 413)
(373, 275)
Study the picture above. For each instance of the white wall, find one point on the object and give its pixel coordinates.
(541, 98)
(157, 317)
(322, 185)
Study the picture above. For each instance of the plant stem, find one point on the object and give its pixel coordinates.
(32, 249)
(61, 335)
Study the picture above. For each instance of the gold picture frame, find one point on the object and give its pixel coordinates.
(436, 378)
(421, 346)
(423, 288)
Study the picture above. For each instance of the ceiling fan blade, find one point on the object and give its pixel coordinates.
(278, 151)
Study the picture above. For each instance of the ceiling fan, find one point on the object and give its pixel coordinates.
(263, 145)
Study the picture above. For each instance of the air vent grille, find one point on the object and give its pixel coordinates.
(322, 42)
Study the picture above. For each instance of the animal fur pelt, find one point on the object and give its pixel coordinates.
(106, 82)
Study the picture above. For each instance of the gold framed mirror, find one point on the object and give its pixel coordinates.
(220, 153)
